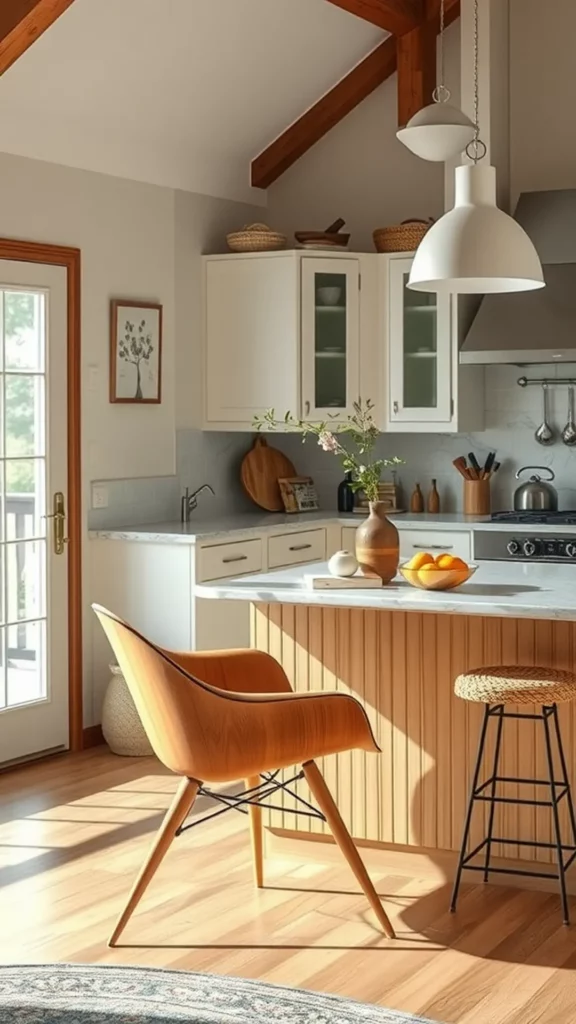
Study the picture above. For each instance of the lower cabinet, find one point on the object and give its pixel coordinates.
(453, 542)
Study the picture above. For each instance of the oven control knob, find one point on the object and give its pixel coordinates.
(513, 547)
(571, 549)
(529, 548)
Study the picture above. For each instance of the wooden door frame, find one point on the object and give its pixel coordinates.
(70, 259)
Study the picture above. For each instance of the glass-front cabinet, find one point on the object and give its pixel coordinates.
(419, 351)
(330, 337)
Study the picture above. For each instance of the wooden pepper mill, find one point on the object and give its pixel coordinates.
(433, 499)
(417, 500)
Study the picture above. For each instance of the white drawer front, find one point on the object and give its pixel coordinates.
(349, 538)
(221, 560)
(457, 543)
(297, 548)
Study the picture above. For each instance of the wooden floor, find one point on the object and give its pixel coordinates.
(74, 830)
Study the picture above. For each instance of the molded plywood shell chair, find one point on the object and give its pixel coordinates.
(221, 716)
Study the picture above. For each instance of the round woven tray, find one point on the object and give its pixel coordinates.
(256, 238)
(403, 237)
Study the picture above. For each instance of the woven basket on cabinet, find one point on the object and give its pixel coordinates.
(256, 238)
(404, 237)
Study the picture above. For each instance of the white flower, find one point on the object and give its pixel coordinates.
(328, 442)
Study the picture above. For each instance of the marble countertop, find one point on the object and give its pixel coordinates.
(518, 590)
(247, 523)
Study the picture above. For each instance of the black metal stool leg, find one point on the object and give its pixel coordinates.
(546, 712)
(468, 821)
(565, 778)
(493, 792)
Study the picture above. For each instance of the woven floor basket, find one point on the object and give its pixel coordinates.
(256, 238)
(403, 237)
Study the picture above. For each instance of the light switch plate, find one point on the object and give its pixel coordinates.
(99, 496)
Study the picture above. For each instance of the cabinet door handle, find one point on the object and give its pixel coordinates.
(433, 547)
(300, 547)
(235, 558)
(395, 407)
(306, 408)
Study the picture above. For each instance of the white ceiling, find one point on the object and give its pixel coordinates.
(175, 92)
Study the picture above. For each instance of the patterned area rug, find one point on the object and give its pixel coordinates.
(74, 994)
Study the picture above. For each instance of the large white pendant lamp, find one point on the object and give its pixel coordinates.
(476, 248)
(439, 131)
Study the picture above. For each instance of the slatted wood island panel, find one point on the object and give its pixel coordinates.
(402, 666)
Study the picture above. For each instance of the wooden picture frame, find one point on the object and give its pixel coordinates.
(298, 494)
(135, 352)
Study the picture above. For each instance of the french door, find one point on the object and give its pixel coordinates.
(33, 489)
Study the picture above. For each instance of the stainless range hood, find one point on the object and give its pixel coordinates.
(538, 326)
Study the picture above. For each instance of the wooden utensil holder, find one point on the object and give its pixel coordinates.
(477, 498)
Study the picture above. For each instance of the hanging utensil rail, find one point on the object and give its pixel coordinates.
(547, 382)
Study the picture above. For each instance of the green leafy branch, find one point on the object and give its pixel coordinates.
(356, 458)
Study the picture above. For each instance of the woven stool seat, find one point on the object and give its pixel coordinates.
(517, 684)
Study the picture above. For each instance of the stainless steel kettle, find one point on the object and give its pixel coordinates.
(535, 495)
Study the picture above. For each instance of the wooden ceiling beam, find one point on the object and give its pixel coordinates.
(22, 22)
(416, 57)
(379, 65)
(396, 16)
(325, 114)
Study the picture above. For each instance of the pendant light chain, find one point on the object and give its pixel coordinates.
(476, 149)
(441, 93)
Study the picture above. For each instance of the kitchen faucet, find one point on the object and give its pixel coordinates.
(190, 501)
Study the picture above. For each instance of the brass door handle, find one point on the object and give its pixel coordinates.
(59, 517)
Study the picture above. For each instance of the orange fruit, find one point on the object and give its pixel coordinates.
(429, 567)
(420, 560)
(450, 562)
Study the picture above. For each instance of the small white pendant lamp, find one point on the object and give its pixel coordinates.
(476, 248)
(439, 131)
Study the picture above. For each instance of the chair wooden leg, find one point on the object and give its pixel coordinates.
(175, 816)
(256, 835)
(345, 842)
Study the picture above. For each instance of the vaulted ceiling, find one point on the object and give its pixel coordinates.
(176, 92)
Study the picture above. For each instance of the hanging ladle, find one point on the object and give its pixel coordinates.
(569, 432)
(545, 434)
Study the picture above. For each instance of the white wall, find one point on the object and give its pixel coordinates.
(543, 94)
(361, 172)
(138, 241)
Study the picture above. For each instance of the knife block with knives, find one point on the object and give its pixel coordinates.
(477, 497)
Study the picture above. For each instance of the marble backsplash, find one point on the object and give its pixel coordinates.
(212, 458)
(512, 416)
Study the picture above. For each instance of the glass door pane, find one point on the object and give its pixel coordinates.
(23, 566)
(330, 340)
(420, 349)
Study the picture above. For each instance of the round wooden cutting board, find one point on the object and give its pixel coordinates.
(261, 468)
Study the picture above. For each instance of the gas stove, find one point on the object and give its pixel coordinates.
(528, 546)
(533, 518)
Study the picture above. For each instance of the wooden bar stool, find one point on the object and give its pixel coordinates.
(497, 688)
(221, 716)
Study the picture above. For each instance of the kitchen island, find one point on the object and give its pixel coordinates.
(398, 650)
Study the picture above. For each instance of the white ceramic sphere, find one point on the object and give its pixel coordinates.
(343, 563)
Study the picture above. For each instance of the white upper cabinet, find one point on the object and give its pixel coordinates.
(424, 384)
(282, 331)
(330, 337)
(251, 338)
(311, 333)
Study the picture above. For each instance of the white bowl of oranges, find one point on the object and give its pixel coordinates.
(445, 572)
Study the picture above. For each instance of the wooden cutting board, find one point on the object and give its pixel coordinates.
(260, 470)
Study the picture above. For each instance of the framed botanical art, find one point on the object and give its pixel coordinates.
(135, 351)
